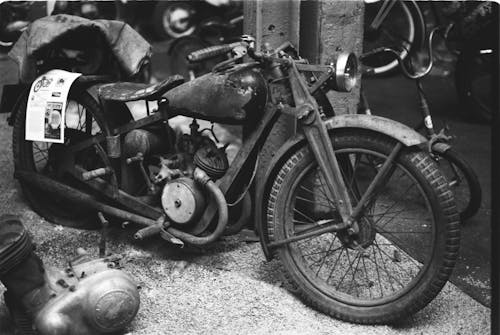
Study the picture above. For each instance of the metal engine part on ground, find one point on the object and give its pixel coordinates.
(104, 302)
(90, 297)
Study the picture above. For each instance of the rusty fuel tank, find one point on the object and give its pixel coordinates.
(234, 96)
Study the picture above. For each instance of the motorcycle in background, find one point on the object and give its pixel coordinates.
(213, 31)
(14, 19)
(175, 19)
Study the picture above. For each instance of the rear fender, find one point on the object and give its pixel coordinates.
(12, 104)
(393, 129)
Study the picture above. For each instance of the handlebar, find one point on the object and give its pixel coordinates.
(213, 51)
(406, 71)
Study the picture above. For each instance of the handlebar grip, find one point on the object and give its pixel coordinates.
(213, 51)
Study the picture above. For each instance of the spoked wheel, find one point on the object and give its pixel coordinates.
(82, 121)
(395, 24)
(463, 182)
(408, 240)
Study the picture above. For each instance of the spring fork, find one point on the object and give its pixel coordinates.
(316, 133)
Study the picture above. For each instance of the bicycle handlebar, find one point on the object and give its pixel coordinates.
(404, 69)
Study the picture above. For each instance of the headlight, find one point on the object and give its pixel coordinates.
(346, 72)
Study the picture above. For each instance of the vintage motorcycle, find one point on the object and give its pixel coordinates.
(359, 215)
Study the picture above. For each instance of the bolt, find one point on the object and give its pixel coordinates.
(177, 203)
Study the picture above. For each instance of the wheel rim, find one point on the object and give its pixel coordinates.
(178, 20)
(399, 14)
(388, 267)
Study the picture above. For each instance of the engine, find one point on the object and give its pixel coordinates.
(168, 170)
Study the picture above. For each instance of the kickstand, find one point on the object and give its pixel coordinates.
(102, 243)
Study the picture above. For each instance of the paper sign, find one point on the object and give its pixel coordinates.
(45, 112)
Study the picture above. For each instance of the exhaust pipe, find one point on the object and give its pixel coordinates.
(71, 194)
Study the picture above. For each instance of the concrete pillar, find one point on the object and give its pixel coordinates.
(327, 28)
(273, 22)
(321, 29)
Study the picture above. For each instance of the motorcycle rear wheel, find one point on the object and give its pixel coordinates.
(409, 232)
(43, 158)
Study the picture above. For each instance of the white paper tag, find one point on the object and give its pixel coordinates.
(46, 109)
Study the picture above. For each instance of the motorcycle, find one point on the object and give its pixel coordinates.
(214, 31)
(358, 214)
(14, 19)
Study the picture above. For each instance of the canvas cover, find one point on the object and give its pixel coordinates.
(129, 47)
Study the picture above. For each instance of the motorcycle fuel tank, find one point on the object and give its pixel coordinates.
(232, 96)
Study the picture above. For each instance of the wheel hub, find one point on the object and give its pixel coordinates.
(363, 238)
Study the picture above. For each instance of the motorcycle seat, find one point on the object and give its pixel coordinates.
(127, 91)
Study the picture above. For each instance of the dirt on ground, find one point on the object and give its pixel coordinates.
(227, 289)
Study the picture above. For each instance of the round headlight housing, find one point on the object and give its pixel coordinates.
(346, 72)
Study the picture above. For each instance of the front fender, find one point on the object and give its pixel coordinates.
(398, 131)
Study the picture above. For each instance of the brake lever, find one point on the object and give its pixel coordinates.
(240, 52)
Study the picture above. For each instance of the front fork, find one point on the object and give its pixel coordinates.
(307, 112)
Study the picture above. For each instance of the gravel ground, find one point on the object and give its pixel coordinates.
(229, 289)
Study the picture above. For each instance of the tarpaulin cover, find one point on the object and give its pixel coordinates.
(128, 46)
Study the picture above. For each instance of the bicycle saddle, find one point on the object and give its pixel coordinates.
(127, 91)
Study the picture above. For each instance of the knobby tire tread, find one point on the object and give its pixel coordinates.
(446, 201)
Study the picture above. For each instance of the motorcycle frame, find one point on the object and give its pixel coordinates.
(313, 128)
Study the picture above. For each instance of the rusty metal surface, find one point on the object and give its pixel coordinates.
(230, 97)
(391, 128)
(125, 91)
(183, 201)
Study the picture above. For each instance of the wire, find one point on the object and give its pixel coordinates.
(254, 173)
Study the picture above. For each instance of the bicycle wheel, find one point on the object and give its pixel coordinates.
(403, 28)
(82, 121)
(409, 231)
(463, 182)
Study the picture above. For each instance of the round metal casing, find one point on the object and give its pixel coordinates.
(112, 302)
(346, 72)
(183, 201)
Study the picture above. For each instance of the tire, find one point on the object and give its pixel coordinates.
(44, 158)
(179, 64)
(463, 182)
(434, 240)
(405, 17)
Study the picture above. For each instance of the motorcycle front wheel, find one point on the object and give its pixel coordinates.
(408, 233)
(82, 121)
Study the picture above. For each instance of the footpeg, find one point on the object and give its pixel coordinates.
(89, 175)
